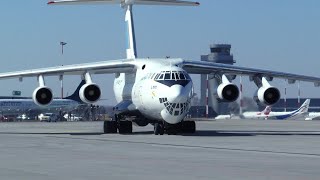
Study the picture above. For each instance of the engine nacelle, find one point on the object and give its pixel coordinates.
(227, 92)
(90, 93)
(267, 95)
(42, 96)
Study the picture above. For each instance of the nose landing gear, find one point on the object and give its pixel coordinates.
(173, 129)
(158, 129)
(188, 127)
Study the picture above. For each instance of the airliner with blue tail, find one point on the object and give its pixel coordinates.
(300, 113)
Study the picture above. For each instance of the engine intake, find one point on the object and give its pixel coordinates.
(267, 95)
(42, 96)
(228, 92)
(90, 93)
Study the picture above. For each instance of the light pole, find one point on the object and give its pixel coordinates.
(62, 44)
(61, 85)
(61, 76)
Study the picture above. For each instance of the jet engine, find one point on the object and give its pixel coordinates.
(267, 95)
(90, 93)
(42, 96)
(227, 92)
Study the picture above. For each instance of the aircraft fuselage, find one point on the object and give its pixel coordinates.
(158, 89)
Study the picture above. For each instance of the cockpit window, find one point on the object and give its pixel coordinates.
(186, 75)
(170, 78)
(161, 77)
(177, 76)
(181, 76)
(171, 75)
(152, 76)
(167, 75)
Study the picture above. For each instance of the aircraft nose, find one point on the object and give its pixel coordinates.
(177, 93)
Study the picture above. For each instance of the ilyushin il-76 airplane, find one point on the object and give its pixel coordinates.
(153, 91)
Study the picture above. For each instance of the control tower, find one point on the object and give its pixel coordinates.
(219, 53)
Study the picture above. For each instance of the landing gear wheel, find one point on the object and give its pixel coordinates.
(188, 127)
(161, 129)
(125, 127)
(109, 127)
(158, 129)
(172, 129)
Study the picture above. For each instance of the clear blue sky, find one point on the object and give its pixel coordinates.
(278, 35)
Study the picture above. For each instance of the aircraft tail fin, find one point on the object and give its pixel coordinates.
(304, 108)
(267, 110)
(131, 52)
(75, 96)
(130, 36)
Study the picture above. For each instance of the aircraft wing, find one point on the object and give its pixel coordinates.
(202, 67)
(104, 67)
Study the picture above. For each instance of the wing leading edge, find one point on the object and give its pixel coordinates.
(104, 67)
(201, 67)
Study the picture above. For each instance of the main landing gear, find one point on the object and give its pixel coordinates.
(172, 129)
(158, 129)
(111, 127)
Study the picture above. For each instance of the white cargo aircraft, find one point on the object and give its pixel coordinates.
(155, 91)
(300, 113)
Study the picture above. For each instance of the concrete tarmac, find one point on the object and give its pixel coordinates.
(222, 149)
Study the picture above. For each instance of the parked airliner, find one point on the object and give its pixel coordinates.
(24, 104)
(300, 113)
(313, 116)
(153, 91)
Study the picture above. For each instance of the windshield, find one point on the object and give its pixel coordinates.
(171, 75)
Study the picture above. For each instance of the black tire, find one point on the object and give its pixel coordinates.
(188, 127)
(110, 127)
(125, 127)
(172, 129)
(161, 130)
(156, 129)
